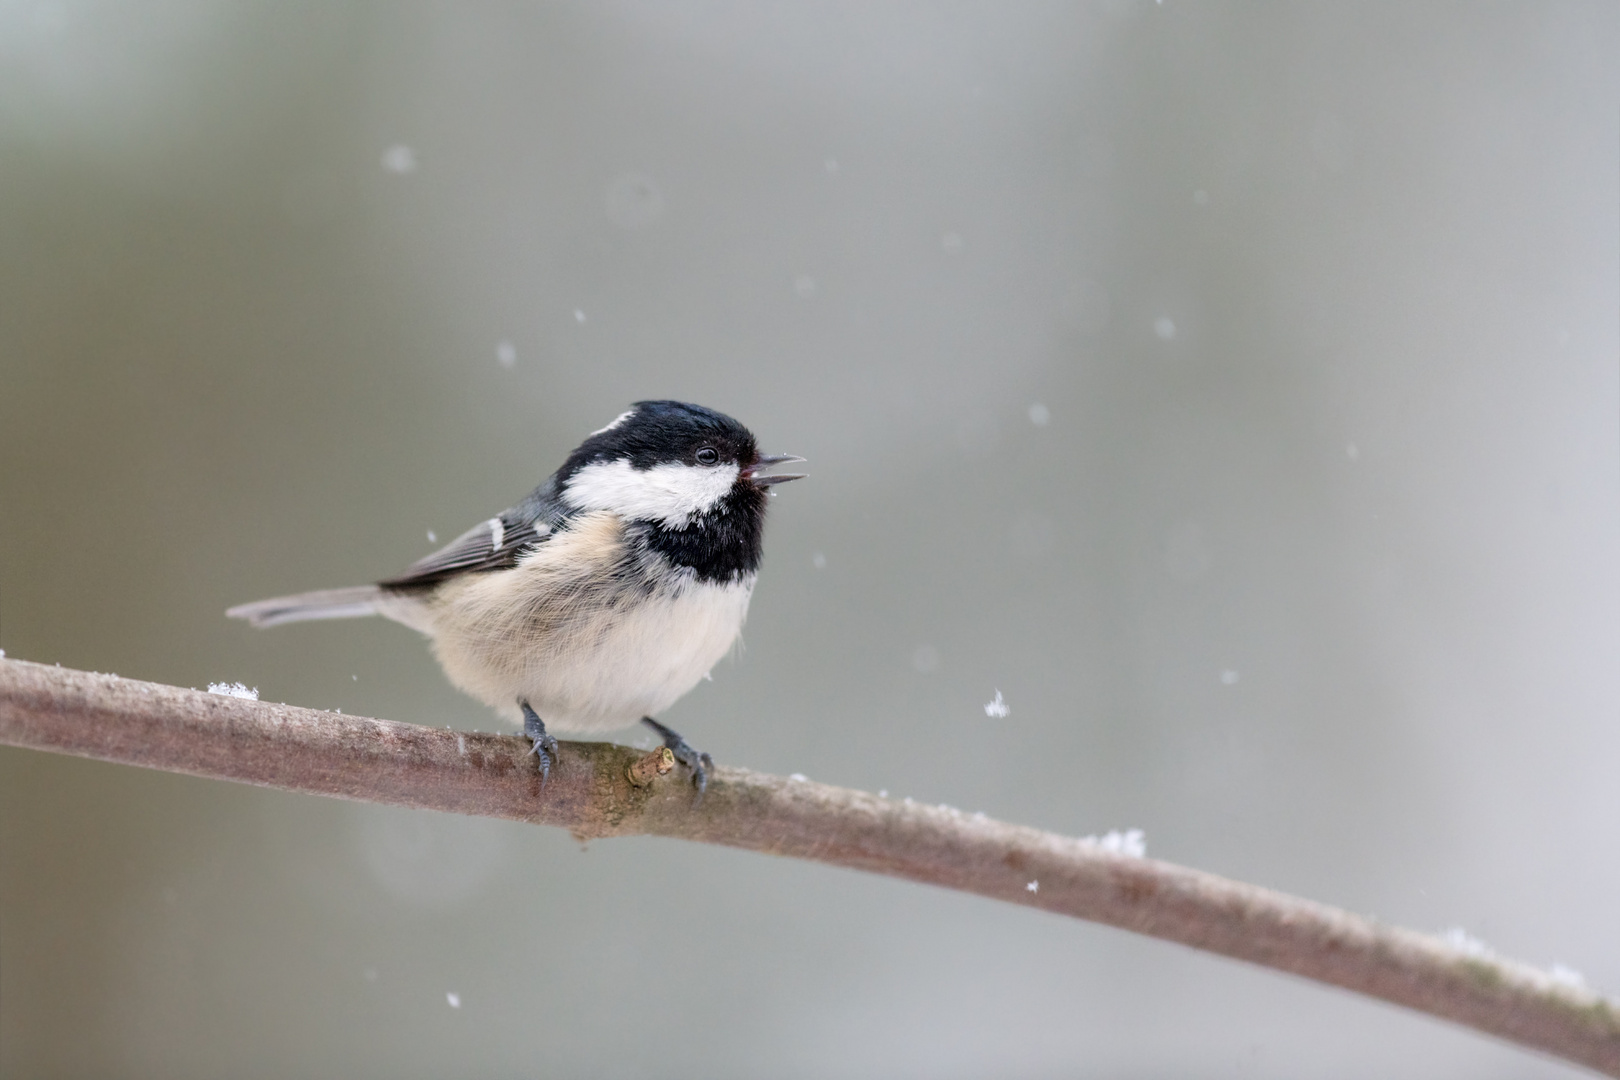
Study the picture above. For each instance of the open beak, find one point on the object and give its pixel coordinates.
(766, 461)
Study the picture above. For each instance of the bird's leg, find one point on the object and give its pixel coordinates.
(545, 746)
(699, 762)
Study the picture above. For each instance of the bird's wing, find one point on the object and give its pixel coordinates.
(496, 544)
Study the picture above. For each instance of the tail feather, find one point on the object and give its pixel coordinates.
(347, 603)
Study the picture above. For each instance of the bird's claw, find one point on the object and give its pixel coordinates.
(544, 745)
(545, 749)
(698, 761)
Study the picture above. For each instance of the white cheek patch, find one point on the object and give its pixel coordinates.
(672, 494)
(621, 418)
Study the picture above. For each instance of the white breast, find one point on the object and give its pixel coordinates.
(589, 649)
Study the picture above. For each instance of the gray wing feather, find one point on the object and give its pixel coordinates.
(324, 604)
(496, 544)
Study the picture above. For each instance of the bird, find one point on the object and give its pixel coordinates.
(603, 596)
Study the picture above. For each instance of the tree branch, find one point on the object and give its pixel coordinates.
(600, 790)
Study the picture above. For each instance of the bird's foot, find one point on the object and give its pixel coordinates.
(699, 762)
(545, 746)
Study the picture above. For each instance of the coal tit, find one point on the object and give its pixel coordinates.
(602, 597)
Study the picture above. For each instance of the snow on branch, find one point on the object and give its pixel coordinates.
(602, 790)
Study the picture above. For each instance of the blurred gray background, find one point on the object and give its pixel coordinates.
(1232, 387)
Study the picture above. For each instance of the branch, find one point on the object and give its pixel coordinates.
(600, 790)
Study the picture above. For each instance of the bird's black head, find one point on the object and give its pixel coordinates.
(689, 478)
(652, 433)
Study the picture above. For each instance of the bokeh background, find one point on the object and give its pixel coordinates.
(1232, 387)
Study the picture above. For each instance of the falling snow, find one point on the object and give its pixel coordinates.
(997, 708)
(399, 159)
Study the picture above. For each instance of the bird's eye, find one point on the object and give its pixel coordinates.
(708, 456)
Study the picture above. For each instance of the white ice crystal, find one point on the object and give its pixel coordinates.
(234, 689)
(1568, 976)
(1467, 943)
(1130, 842)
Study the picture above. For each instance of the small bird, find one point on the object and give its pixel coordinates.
(602, 597)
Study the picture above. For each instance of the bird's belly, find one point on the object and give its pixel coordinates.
(604, 665)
